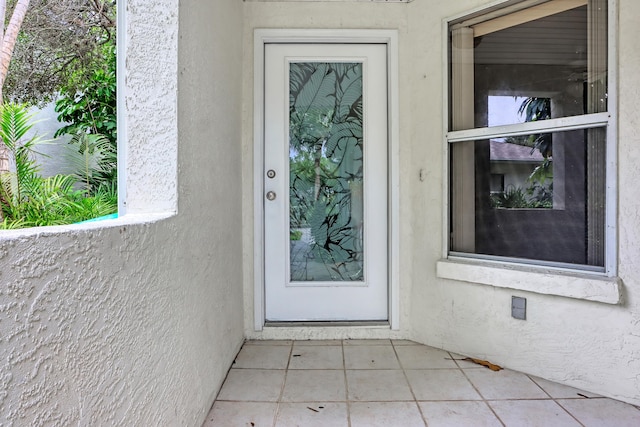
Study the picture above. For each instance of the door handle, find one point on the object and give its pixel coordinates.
(271, 195)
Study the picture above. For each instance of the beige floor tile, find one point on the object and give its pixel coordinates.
(261, 385)
(263, 357)
(458, 414)
(370, 357)
(422, 357)
(316, 357)
(532, 413)
(404, 342)
(385, 414)
(314, 386)
(308, 379)
(241, 414)
(441, 384)
(366, 342)
(601, 412)
(560, 391)
(312, 415)
(504, 384)
(317, 342)
(377, 385)
(269, 342)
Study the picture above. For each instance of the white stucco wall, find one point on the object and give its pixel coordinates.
(591, 345)
(137, 321)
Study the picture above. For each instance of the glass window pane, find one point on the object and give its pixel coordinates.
(544, 67)
(525, 166)
(551, 207)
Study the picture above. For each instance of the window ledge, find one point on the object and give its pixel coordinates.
(568, 284)
(129, 219)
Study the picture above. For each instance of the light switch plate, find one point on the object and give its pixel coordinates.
(519, 308)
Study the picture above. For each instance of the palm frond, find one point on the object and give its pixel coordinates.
(94, 160)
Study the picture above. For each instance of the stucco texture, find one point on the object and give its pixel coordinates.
(137, 322)
(590, 345)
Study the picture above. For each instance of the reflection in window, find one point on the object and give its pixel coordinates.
(524, 162)
(529, 220)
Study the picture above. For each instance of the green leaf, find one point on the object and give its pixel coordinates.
(350, 92)
(350, 130)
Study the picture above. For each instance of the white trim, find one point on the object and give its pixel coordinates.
(121, 116)
(611, 194)
(525, 262)
(258, 181)
(446, 152)
(268, 35)
(388, 37)
(394, 182)
(546, 281)
(584, 121)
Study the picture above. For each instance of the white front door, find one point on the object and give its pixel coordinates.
(325, 182)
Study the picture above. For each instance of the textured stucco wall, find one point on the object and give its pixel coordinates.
(590, 345)
(137, 322)
(151, 73)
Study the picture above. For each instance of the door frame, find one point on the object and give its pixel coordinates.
(390, 39)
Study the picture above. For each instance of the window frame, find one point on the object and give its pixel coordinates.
(453, 263)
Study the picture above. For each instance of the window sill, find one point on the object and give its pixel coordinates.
(129, 219)
(570, 284)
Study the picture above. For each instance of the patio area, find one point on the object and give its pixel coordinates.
(395, 383)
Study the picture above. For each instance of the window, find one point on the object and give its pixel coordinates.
(531, 135)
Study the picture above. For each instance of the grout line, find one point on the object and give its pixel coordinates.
(486, 402)
(567, 411)
(406, 378)
(521, 399)
(554, 400)
(540, 387)
(346, 384)
(284, 383)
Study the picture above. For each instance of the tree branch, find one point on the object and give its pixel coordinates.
(10, 37)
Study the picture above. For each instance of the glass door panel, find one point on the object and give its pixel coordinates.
(326, 171)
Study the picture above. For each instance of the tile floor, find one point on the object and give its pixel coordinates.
(370, 383)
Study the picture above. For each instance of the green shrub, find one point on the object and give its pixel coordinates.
(29, 200)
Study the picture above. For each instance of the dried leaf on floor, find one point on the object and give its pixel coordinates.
(484, 363)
